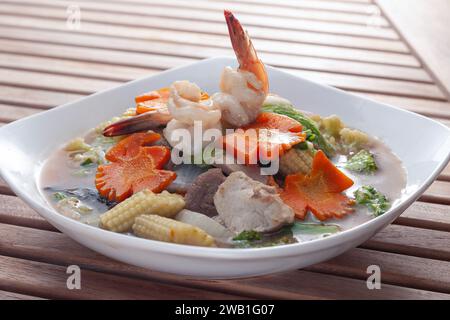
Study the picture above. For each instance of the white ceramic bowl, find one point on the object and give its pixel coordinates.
(422, 144)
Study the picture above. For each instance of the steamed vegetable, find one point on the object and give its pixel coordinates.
(372, 199)
(249, 235)
(363, 162)
(297, 161)
(133, 168)
(210, 226)
(319, 192)
(164, 229)
(314, 228)
(309, 127)
(254, 239)
(121, 217)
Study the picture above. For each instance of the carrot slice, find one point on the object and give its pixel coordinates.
(156, 99)
(134, 167)
(269, 120)
(249, 146)
(130, 146)
(161, 94)
(319, 192)
(119, 180)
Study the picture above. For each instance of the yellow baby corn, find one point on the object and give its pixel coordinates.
(164, 229)
(296, 161)
(121, 217)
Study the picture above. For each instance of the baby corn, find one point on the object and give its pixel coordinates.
(296, 161)
(164, 229)
(122, 216)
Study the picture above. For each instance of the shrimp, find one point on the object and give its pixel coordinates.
(186, 106)
(244, 90)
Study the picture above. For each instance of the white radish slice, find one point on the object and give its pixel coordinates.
(210, 226)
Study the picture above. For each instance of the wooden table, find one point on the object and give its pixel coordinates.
(347, 44)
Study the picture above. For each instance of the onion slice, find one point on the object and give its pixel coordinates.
(210, 226)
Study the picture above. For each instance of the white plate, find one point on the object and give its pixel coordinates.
(422, 144)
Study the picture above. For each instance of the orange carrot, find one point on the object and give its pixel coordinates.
(134, 167)
(269, 120)
(129, 147)
(160, 94)
(156, 99)
(320, 191)
(252, 145)
(269, 136)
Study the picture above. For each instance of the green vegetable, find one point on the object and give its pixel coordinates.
(59, 196)
(248, 235)
(372, 199)
(314, 228)
(86, 162)
(313, 134)
(253, 239)
(363, 161)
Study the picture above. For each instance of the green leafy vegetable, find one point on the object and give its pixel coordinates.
(314, 228)
(59, 196)
(372, 199)
(363, 162)
(253, 239)
(313, 134)
(248, 235)
(86, 162)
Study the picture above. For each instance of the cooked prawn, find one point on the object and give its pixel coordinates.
(243, 90)
(187, 106)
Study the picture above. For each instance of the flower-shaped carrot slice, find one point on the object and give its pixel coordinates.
(121, 179)
(130, 146)
(320, 191)
(268, 120)
(156, 99)
(134, 167)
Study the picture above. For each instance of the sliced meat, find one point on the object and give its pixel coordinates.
(229, 166)
(186, 175)
(246, 204)
(200, 195)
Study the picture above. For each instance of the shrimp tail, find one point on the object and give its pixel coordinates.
(143, 122)
(244, 50)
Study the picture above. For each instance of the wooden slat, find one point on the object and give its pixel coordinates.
(296, 284)
(162, 14)
(139, 31)
(426, 215)
(301, 4)
(153, 61)
(206, 40)
(36, 278)
(372, 85)
(52, 82)
(34, 98)
(4, 295)
(422, 106)
(425, 27)
(432, 244)
(71, 67)
(149, 61)
(197, 52)
(396, 269)
(446, 173)
(439, 192)
(11, 113)
(15, 211)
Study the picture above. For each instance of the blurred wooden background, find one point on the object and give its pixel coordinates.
(46, 60)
